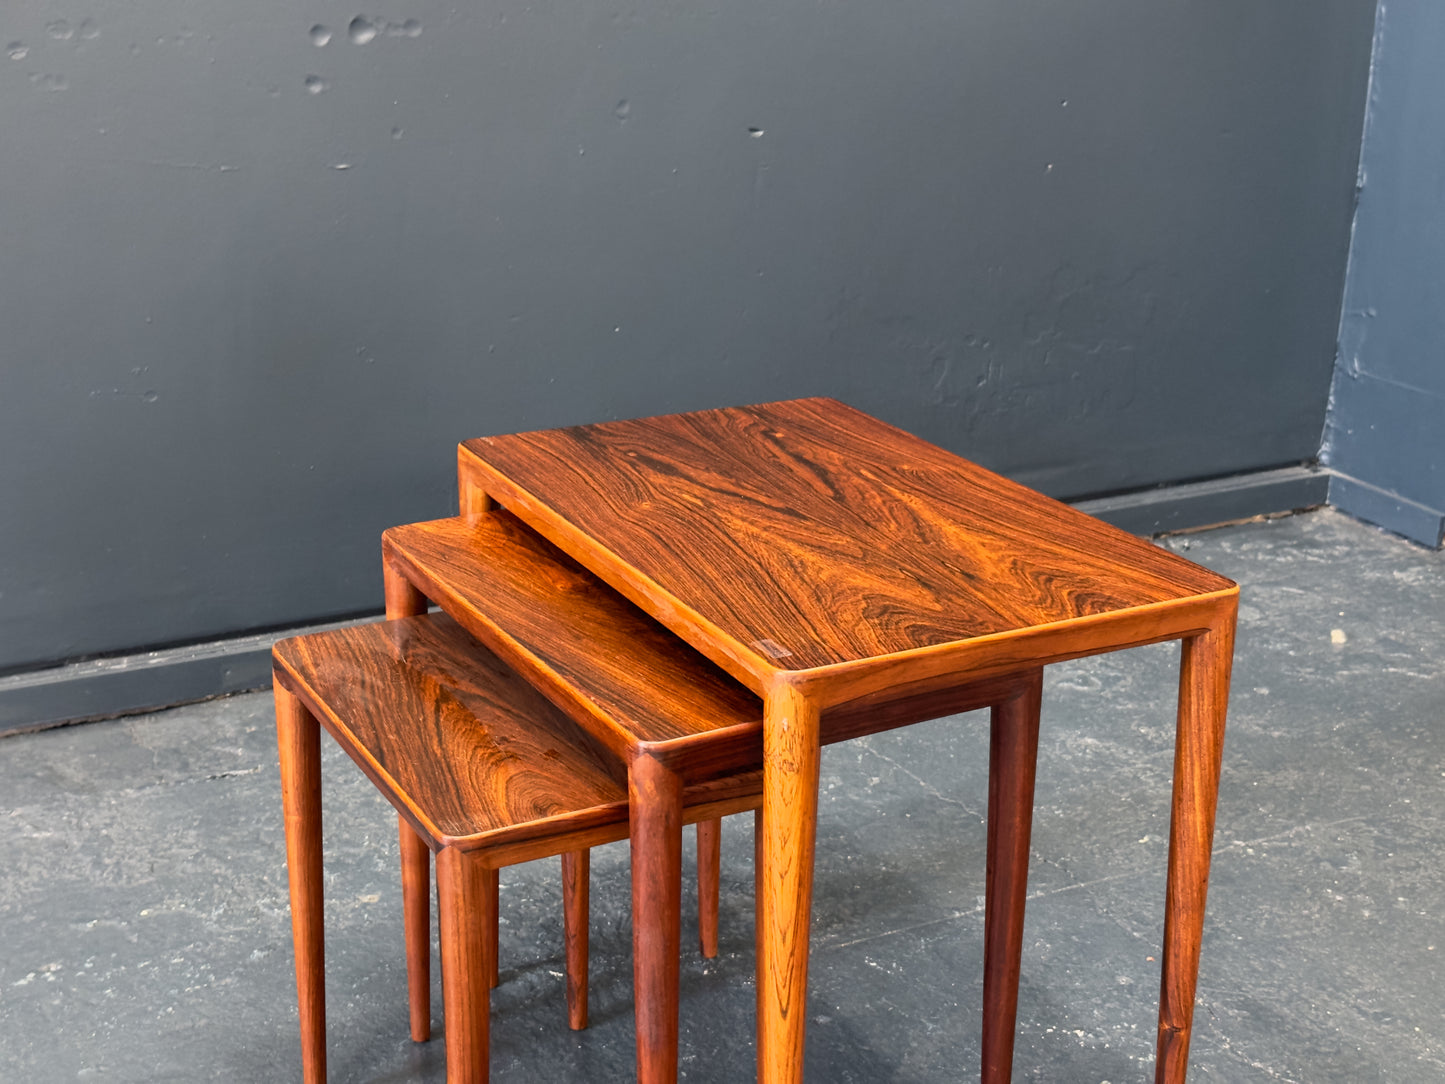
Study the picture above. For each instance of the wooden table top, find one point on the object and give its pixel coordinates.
(808, 536)
(620, 675)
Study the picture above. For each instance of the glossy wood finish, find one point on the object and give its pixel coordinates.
(709, 865)
(655, 801)
(1206, 661)
(638, 690)
(576, 875)
(1012, 755)
(416, 928)
(821, 556)
(469, 753)
(403, 600)
(299, 748)
(758, 534)
(483, 770)
(790, 829)
(466, 918)
(614, 670)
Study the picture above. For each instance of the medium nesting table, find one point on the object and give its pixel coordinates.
(827, 560)
(678, 722)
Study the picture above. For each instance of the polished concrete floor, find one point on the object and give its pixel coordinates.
(144, 933)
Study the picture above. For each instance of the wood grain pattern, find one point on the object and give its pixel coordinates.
(416, 928)
(655, 801)
(614, 669)
(821, 556)
(481, 768)
(1205, 665)
(464, 911)
(642, 692)
(709, 867)
(494, 958)
(790, 829)
(576, 877)
(1012, 755)
(805, 534)
(463, 746)
(299, 750)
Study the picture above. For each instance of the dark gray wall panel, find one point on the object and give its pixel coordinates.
(1386, 426)
(242, 325)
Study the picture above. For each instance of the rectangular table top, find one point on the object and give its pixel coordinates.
(808, 536)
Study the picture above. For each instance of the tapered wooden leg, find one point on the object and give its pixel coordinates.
(791, 756)
(464, 906)
(404, 600)
(298, 740)
(758, 893)
(1199, 745)
(494, 957)
(576, 869)
(416, 924)
(1012, 757)
(655, 800)
(709, 863)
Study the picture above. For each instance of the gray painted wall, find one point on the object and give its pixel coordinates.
(1386, 428)
(253, 289)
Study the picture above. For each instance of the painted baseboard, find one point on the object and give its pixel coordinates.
(1220, 500)
(1417, 522)
(129, 684)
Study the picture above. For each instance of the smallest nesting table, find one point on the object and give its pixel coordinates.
(484, 770)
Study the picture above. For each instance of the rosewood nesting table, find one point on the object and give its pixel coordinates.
(824, 558)
(679, 722)
(482, 768)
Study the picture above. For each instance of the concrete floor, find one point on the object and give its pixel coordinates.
(146, 936)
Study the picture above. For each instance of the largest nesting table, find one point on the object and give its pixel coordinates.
(827, 561)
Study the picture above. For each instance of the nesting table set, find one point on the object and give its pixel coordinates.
(706, 599)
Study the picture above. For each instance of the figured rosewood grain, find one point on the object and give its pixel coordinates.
(452, 736)
(821, 556)
(479, 766)
(298, 745)
(806, 534)
(1012, 756)
(614, 669)
(610, 667)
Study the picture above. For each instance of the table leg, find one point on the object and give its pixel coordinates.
(416, 926)
(404, 600)
(709, 863)
(1013, 755)
(464, 911)
(791, 756)
(472, 499)
(655, 802)
(1203, 700)
(758, 889)
(494, 959)
(298, 740)
(576, 873)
